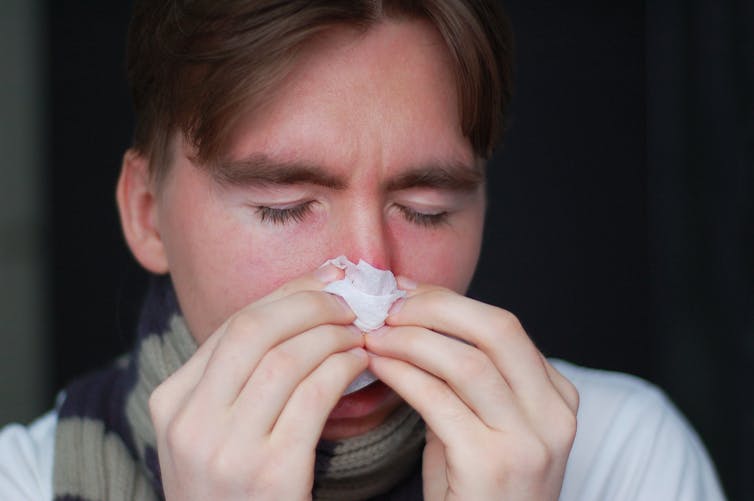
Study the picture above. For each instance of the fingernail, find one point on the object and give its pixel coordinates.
(396, 306)
(327, 274)
(406, 283)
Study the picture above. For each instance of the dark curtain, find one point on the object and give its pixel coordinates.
(700, 151)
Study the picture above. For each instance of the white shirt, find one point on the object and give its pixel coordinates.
(26, 455)
(631, 444)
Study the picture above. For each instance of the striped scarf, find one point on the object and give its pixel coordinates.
(105, 443)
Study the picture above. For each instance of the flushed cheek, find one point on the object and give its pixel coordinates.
(291, 251)
(219, 266)
(445, 260)
(445, 255)
(256, 266)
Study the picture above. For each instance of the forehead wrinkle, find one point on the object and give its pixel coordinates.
(259, 169)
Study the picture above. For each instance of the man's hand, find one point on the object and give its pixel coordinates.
(501, 420)
(241, 419)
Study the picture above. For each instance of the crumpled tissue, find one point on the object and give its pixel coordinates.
(370, 293)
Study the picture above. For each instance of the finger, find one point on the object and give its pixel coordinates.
(172, 394)
(305, 414)
(313, 281)
(442, 410)
(283, 368)
(434, 468)
(496, 332)
(566, 389)
(466, 369)
(252, 332)
(175, 389)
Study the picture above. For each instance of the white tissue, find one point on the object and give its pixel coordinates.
(370, 293)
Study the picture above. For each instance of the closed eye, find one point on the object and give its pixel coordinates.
(297, 213)
(427, 220)
(282, 216)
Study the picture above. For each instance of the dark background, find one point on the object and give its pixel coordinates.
(621, 222)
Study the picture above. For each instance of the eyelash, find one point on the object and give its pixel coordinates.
(422, 219)
(283, 216)
(299, 212)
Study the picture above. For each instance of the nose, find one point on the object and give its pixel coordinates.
(363, 234)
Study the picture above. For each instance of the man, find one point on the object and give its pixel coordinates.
(271, 137)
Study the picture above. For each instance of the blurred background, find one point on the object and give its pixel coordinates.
(621, 223)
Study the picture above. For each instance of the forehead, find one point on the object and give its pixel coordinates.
(386, 95)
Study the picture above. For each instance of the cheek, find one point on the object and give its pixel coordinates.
(274, 255)
(445, 258)
(221, 258)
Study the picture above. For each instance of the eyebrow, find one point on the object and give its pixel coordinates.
(454, 176)
(260, 170)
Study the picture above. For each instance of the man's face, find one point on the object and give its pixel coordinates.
(359, 153)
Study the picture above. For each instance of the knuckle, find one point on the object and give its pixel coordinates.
(445, 401)
(223, 467)
(564, 430)
(473, 365)
(507, 320)
(534, 456)
(158, 404)
(281, 361)
(180, 437)
(243, 322)
(272, 475)
(317, 391)
(313, 393)
(572, 395)
(240, 474)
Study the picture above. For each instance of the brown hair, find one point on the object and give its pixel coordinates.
(193, 64)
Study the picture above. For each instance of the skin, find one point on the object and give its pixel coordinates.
(265, 385)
